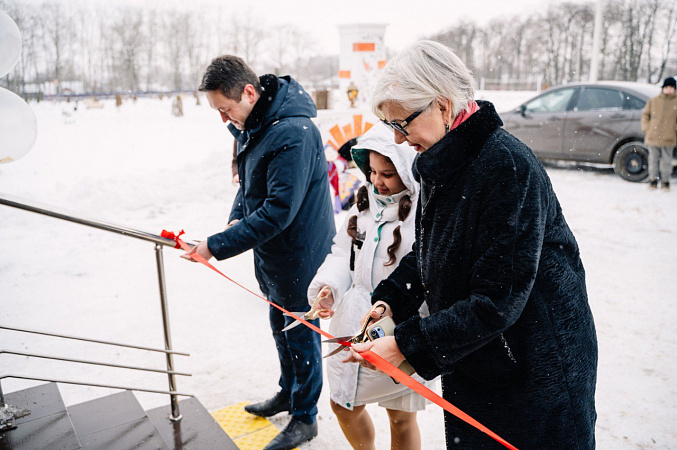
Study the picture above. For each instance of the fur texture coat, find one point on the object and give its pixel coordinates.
(510, 329)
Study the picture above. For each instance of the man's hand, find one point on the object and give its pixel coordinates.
(231, 223)
(385, 347)
(201, 249)
(325, 303)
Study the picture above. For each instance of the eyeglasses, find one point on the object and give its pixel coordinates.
(401, 124)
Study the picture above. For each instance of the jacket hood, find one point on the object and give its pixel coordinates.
(291, 101)
(281, 97)
(379, 138)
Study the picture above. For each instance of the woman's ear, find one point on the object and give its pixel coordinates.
(444, 105)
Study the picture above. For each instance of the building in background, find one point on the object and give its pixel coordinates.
(361, 58)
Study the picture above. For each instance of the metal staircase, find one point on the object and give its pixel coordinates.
(115, 422)
(36, 418)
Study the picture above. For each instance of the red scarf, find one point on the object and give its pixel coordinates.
(465, 114)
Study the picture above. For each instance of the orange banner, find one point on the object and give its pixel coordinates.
(364, 47)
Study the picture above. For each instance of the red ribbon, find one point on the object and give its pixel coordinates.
(174, 237)
(370, 356)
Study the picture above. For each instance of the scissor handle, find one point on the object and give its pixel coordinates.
(362, 335)
(314, 312)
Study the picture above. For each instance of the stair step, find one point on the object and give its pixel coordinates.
(114, 422)
(197, 429)
(48, 424)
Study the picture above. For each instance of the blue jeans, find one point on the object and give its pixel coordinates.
(660, 158)
(300, 353)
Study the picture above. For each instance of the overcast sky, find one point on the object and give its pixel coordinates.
(407, 20)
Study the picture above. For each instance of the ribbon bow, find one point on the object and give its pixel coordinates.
(174, 237)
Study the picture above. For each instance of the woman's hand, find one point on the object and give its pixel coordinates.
(385, 347)
(379, 310)
(325, 303)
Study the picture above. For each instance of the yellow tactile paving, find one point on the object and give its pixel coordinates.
(247, 431)
(257, 440)
(236, 422)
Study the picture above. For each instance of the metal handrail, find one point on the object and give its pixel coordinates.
(159, 242)
(96, 363)
(36, 207)
(78, 338)
(84, 383)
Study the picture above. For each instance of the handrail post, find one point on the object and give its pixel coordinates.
(173, 399)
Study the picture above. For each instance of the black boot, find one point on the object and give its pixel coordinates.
(280, 402)
(653, 184)
(294, 434)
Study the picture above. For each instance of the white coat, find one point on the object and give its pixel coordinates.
(352, 289)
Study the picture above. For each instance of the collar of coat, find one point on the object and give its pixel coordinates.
(258, 115)
(452, 154)
(385, 208)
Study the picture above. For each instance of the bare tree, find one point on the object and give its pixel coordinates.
(286, 44)
(109, 47)
(667, 23)
(128, 43)
(152, 26)
(56, 22)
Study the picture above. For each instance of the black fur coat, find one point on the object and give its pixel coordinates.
(510, 329)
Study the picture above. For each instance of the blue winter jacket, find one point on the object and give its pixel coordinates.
(283, 204)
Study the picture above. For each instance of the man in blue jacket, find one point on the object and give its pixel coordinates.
(282, 211)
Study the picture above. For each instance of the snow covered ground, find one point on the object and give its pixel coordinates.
(140, 166)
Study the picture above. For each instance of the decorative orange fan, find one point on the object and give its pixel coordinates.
(341, 135)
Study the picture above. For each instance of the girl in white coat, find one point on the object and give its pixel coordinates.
(379, 231)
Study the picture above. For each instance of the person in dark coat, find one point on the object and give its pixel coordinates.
(283, 211)
(510, 328)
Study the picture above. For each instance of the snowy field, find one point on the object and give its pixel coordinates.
(139, 166)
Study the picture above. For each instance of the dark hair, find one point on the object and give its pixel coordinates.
(402, 212)
(362, 201)
(229, 74)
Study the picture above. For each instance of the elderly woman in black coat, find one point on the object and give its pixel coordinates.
(510, 328)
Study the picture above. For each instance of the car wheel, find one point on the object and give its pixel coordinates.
(631, 162)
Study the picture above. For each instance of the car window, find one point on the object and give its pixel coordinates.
(596, 98)
(551, 102)
(632, 102)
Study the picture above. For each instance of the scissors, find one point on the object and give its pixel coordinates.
(358, 338)
(312, 314)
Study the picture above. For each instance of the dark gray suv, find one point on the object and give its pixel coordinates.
(587, 122)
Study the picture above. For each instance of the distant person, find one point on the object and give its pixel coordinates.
(283, 212)
(510, 328)
(377, 233)
(659, 124)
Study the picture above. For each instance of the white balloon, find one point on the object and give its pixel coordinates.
(18, 127)
(10, 43)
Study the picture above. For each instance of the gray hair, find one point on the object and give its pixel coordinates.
(420, 74)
